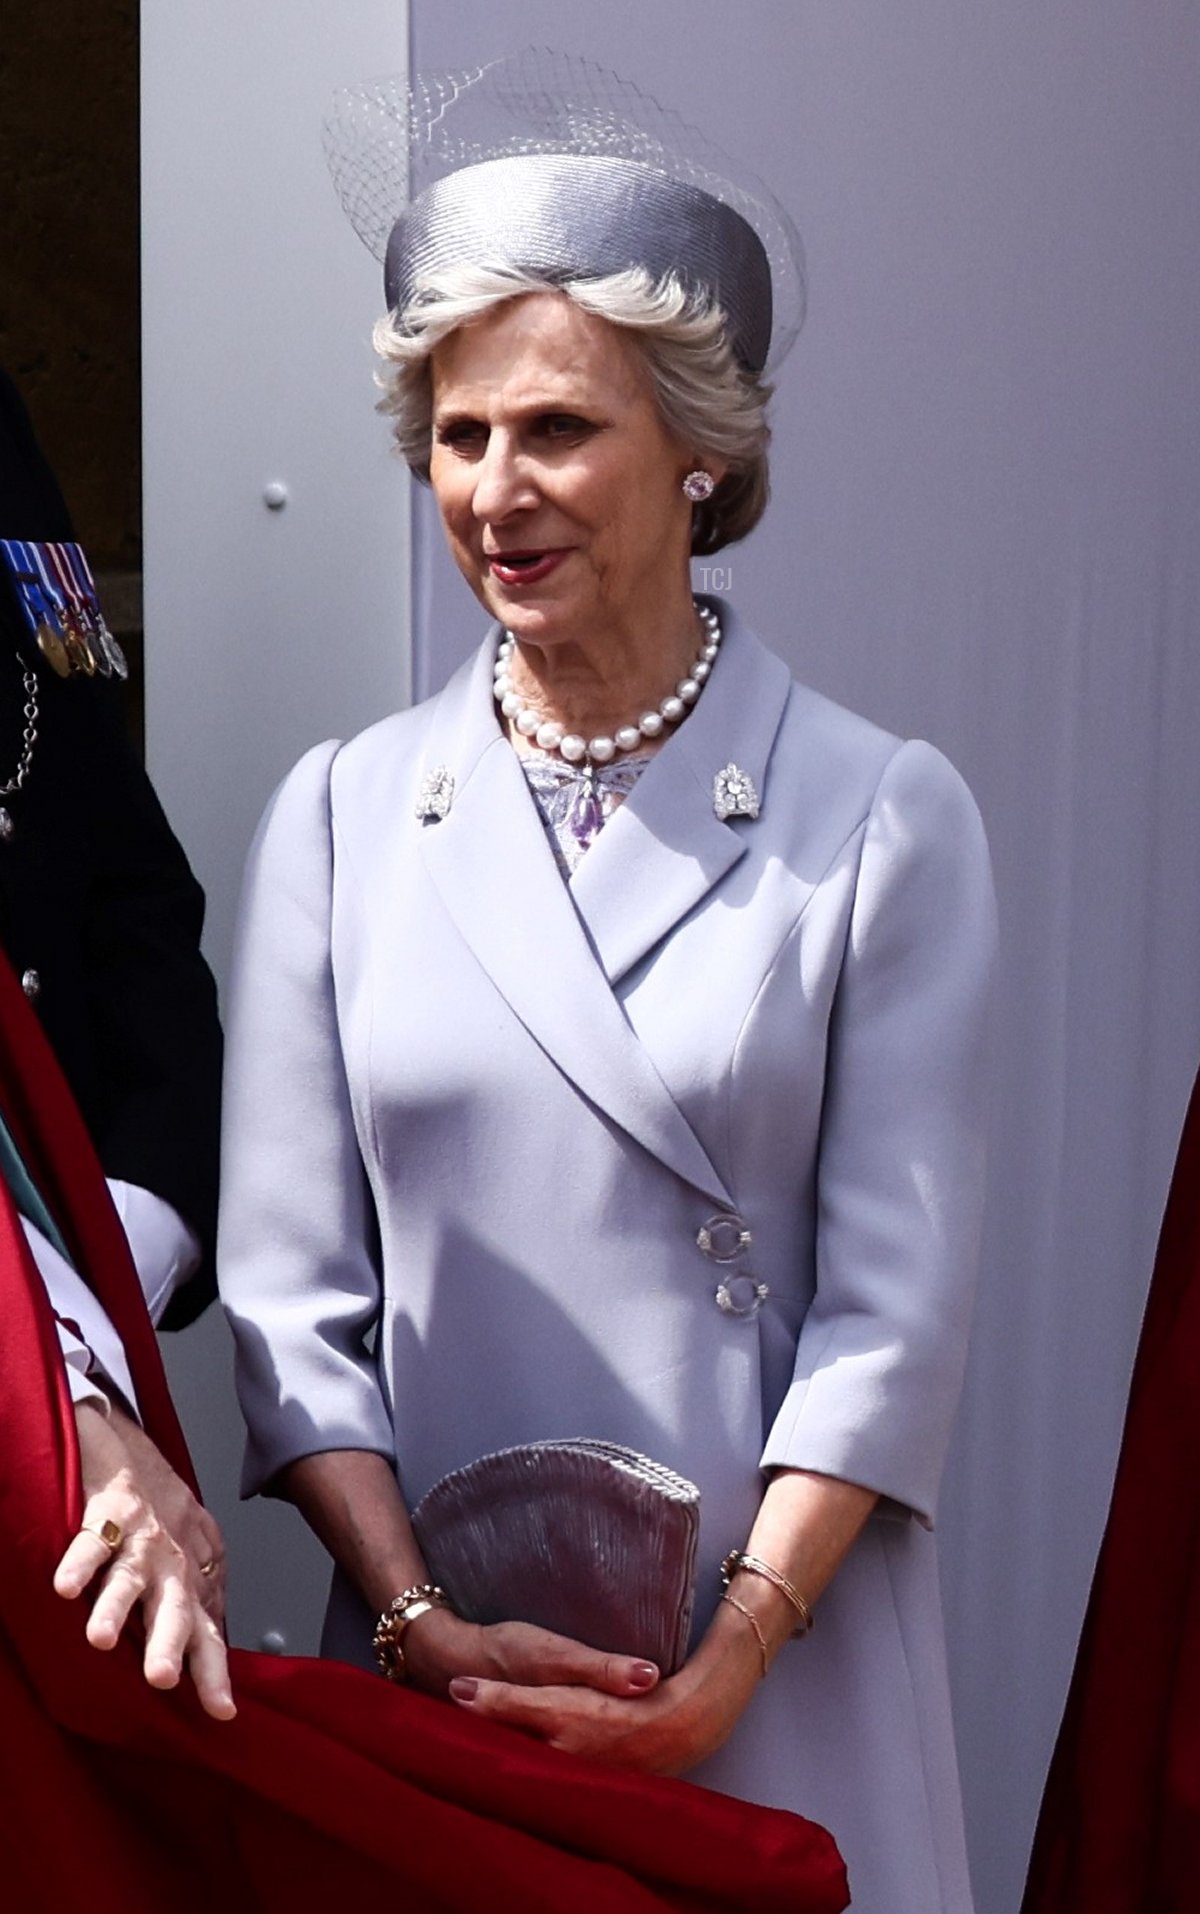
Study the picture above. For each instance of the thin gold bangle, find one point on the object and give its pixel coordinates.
(754, 1565)
(752, 1618)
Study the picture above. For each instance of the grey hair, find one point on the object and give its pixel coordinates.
(704, 397)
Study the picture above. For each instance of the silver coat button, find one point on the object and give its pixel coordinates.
(724, 1238)
(741, 1295)
(31, 984)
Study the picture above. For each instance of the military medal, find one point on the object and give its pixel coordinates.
(116, 657)
(53, 620)
(39, 606)
(76, 615)
(76, 559)
(57, 595)
(52, 648)
(68, 559)
(38, 615)
(78, 649)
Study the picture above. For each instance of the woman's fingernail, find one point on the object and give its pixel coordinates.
(464, 1688)
(643, 1674)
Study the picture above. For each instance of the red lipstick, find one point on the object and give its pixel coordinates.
(523, 567)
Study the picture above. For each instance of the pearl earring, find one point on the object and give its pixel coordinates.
(698, 486)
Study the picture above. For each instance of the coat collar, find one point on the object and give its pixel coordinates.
(665, 849)
(555, 952)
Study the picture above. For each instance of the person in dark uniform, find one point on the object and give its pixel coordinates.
(100, 916)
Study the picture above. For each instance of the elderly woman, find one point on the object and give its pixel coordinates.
(606, 1045)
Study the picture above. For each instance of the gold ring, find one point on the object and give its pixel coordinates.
(109, 1532)
(209, 1567)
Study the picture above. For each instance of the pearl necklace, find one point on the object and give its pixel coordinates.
(549, 736)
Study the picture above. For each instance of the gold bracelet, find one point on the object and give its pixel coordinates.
(403, 1610)
(752, 1618)
(754, 1565)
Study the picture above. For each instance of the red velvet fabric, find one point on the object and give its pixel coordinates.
(330, 1783)
(1119, 1831)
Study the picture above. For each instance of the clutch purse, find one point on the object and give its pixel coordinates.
(583, 1537)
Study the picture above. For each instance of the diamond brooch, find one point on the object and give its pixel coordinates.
(436, 794)
(734, 794)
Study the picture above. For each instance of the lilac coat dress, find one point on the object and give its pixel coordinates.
(477, 1118)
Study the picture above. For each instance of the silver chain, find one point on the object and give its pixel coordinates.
(30, 737)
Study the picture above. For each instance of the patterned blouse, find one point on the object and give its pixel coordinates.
(576, 800)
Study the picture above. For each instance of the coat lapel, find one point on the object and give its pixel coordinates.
(665, 849)
(497, 878)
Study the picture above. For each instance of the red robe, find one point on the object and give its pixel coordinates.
(330, 1783)
(1119, 1831)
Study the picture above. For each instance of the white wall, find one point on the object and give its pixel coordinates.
(265, 630)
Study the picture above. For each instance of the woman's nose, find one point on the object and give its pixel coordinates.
(503, 484)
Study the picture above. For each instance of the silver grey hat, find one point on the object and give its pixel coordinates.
(551, 163)
(579, 215)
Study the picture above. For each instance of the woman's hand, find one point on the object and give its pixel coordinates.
(350, 1498)
(163, 1541)
(667, 1729)
(805, 1525)
(440, 1648)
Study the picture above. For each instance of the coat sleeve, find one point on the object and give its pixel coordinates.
(882, 1349)
(297, 1262)
(153, 1040)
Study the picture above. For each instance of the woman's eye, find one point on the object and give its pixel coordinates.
(564, 425)
(462, 435)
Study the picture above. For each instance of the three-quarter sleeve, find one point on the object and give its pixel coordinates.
(297, 1260)
(882, 1348)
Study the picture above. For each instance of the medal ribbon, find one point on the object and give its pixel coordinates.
(39, 602)
(79, 559)
(82, 583)
(49, 593)
(79, 615)
(80, 610)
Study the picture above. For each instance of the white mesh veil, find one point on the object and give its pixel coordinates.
(386, 142)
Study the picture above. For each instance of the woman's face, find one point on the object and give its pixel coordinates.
(558, 485)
